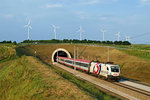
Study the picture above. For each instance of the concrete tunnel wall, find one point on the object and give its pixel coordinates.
(61, 52)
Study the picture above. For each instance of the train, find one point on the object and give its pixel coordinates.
(107, 71)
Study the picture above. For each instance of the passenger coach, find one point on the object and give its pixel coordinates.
(109, 71)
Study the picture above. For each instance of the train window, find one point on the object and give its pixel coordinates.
(77, 63)
(82, 64)
(68, 61)
(62, 60)
(114, 69)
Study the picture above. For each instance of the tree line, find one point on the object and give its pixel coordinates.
(8, 42)
(77, 41)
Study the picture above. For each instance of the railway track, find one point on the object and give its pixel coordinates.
(136, 93)
(142, 91)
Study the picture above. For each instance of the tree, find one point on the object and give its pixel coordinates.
(15, 43)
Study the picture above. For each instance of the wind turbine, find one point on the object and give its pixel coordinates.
(103, 31)
(118, 35)
(29, 27)
(127, 38)
(80, 31)
(55, 27)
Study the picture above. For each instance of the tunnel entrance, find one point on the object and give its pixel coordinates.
(61, 52)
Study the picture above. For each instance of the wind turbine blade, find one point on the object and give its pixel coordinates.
(30, 27)
(29, 22)
(53, 26)
(26, 26)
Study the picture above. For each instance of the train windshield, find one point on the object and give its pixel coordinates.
(114, 69)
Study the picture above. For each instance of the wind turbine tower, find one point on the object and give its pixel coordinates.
(80, 31)
(29, 27)
(118, 35)
(103, 31)
(55, 27)
(127, 38)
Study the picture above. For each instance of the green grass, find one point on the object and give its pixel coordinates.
(83, 85)
(19, 81)
(141, 47)
(141, 54)
(7, 51)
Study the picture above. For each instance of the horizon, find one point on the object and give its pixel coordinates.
(130, 18)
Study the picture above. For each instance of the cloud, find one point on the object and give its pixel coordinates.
(53, 6)
(82, 15)
(91, 2)
(7, 16)
(112, 19)
(145, 2)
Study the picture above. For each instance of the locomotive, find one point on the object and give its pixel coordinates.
(108, 71)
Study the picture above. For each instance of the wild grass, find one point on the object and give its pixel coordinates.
(141, 46)
(19, 81)
(7, 51)
(28, 79)
(141, 54)
(83, 85)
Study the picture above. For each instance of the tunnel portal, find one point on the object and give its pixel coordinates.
(60, 52)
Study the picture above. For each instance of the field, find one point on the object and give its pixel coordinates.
(134, 65)
(27, 78)
(7, 51)
(141, 47)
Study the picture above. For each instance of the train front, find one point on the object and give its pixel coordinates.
(114, 72)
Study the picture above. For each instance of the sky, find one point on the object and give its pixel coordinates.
(129, 17)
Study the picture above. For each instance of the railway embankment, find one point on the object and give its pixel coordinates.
(26, 77)
(132, 66)
(83, 53)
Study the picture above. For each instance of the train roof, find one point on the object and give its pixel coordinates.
(79, 60)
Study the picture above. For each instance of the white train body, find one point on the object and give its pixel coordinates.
(109, 71)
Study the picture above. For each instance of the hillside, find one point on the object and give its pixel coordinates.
(132, 65)
(27, 78)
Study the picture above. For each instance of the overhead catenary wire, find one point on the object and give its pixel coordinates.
(140, 35)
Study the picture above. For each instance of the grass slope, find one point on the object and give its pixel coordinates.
(134, 63)
(137, 53)
(27, 78)
(7, 51)
(19, 81)
(24, 79)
